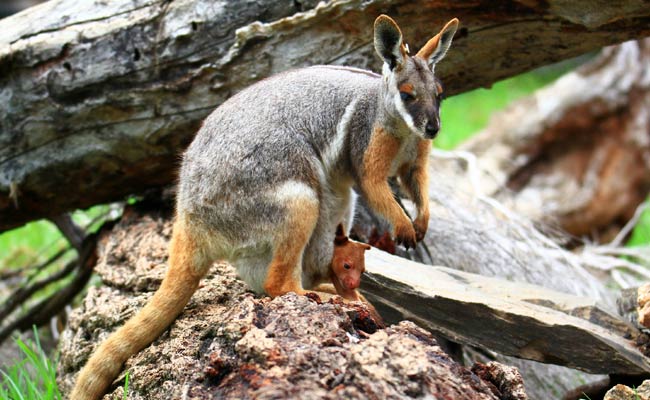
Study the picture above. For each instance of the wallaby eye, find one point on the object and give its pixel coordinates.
(406, 96)
(346, 266)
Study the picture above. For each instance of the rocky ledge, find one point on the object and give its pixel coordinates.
(230, 343)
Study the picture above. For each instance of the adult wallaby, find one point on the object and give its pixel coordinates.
(270, 174)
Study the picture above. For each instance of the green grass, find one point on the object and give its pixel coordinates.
(125, 393)
(33, 377)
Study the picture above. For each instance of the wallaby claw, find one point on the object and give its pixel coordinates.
(407, 241)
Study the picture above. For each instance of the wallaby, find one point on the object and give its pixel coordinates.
(348, 264)
(270, 174)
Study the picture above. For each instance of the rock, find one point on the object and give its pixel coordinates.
(232, 344)
(643, 391)
(622, 392)
(643, 305)
(506, 379)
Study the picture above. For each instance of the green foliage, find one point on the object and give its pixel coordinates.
(33, 377)
(37, 241)
(29, 245)
(641, 233)
(464, 115)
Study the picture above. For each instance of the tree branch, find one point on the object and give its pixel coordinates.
(102, 100)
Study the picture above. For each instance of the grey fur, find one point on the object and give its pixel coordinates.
(273, 132)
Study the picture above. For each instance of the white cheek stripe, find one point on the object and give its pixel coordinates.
(399, 105)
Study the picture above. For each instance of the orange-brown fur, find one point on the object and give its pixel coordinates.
(416, 175)
(431, 45)
(348, 264)
(284, 273)
(381, 152)
(185, 271)
(352, 253)
(406, 87)
(439, 88)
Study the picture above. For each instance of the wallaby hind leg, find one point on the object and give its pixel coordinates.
(187, 265)
(284, 273)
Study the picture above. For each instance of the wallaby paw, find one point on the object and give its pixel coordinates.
(421, 225)
(405, 235)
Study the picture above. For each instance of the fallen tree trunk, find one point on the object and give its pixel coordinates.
(515, 319)
(101, 98)
(575, 154)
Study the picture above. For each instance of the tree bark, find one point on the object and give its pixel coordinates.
(575, 154)
(230, 344)
(512, 318)
(101, 98)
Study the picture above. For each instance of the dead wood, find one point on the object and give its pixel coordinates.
(229, 343)
(101, 97)
(78, 271)
(515, 319)
(575, 154)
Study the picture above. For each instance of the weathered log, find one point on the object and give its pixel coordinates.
(101, 97)
(576, 153)
(513, 318)
(516, 319)
(228, 344)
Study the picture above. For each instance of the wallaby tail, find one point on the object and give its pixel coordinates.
(186, 268)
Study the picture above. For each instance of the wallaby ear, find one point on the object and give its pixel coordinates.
(340, 237)
(366, 246)
(436, 48)
(388, 42)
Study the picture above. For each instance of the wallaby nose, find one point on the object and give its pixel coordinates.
(351, 283)
(432, 128)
